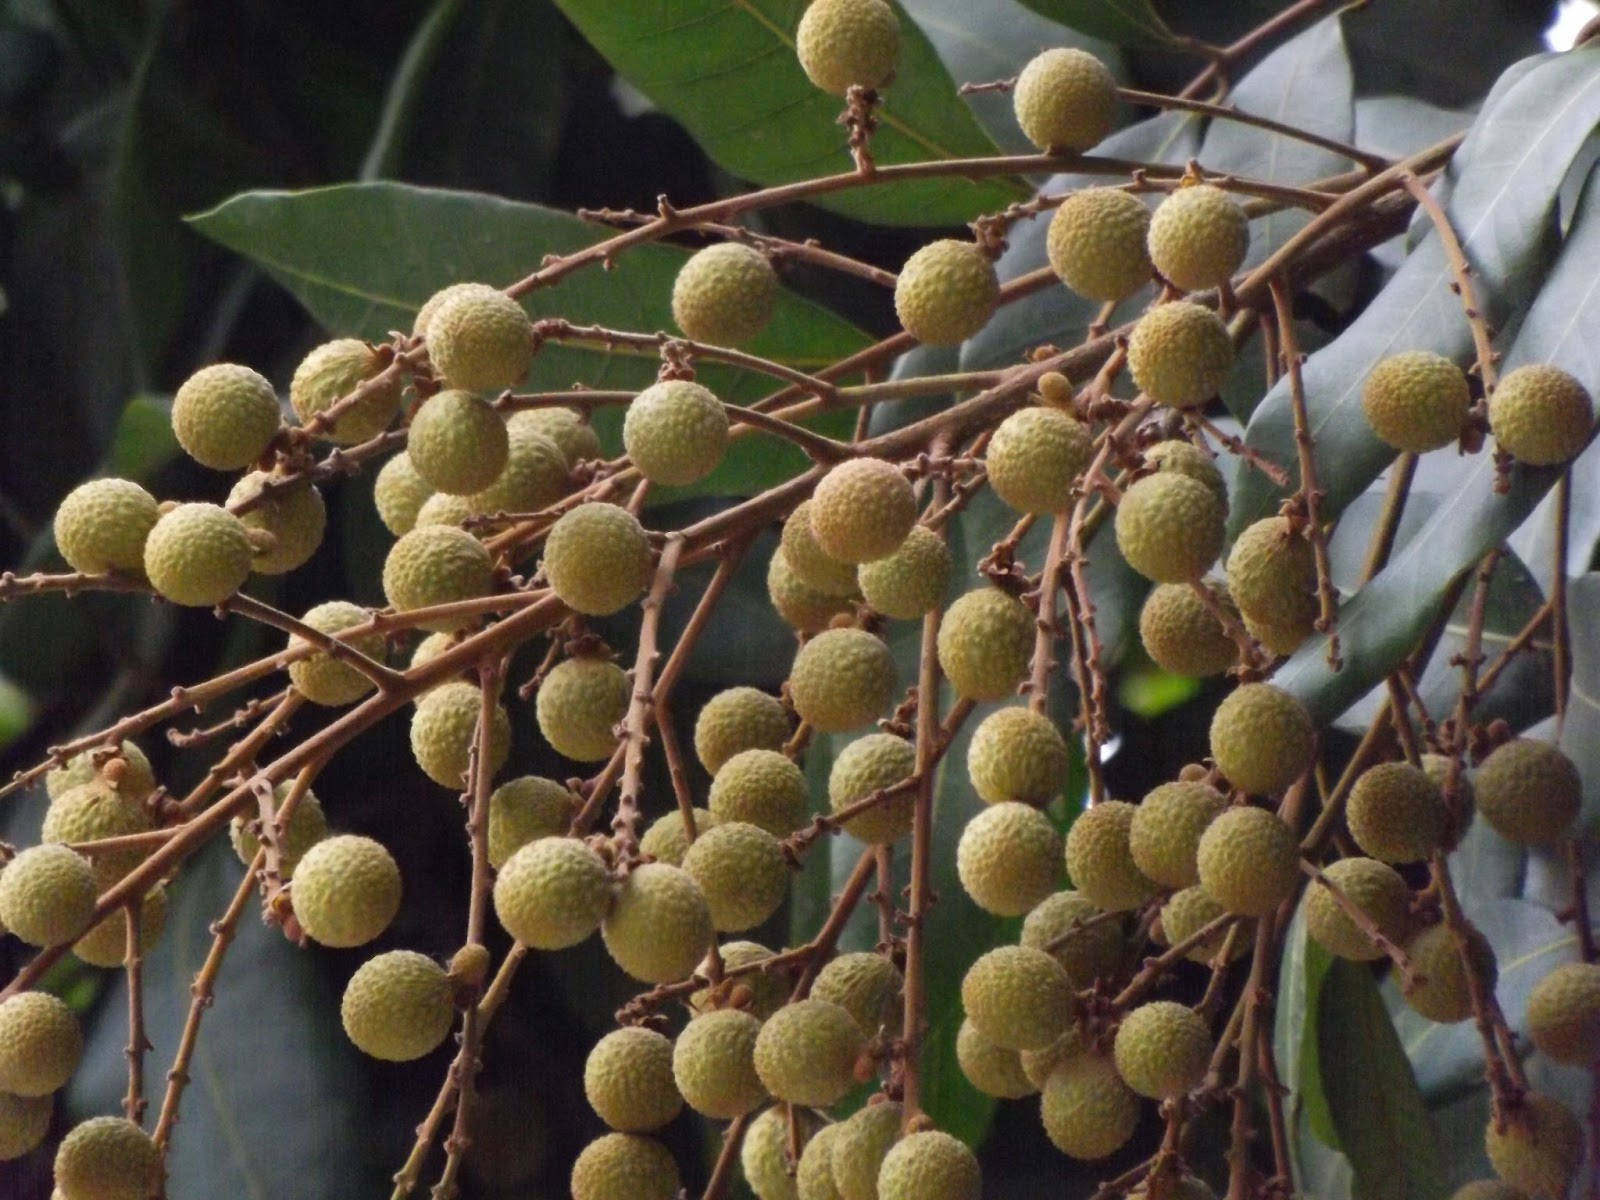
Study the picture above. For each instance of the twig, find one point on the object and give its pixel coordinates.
(133, 1103)
(921, 897)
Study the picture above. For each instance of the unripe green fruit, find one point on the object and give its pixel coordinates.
(806, 1052)
(597, 559)
(813, 1178)
(809, 563)
(985, 641)
(1165, 834)
(294, 516)
(106, 943)
(735, 720)
(346, 891)
(1035, 457)
(930, 1165)
(724, 294)
(1170, 528)
(24, 1120)
(1396, 813)
(107, 1158)
(1249, 861)
(1540, 1148)
(419, 326)
(742, 871)
(1182, 635)
(102, 525)
(1039, 1065)
(660, 925)
(563, 426)
(912, 580)
(628, 1080)
(40, 1044)
(1198, 237)
(92, 811)
(865, 985)
(436, 564)
(480, 341)
(1185, 458)
(197, 555)
(1179, 354)
(1084, 953)
(841, 680)
(333, 371)
(1009, 858)
(1017, 754)
(552, 893)
(134, 778)
(398, 1006)
(1528, 791)
(801, 606)
(714, 1064)
(624, 1165)
(1540, 415)
(1088, 1111)
(307, 826)
(761, 993)
(535, 475)
(762, 787)
(1018, 997)
(224, 415)
(1187, 913)
(47, 895)
(1465, 800)
(1100, 860)
(859, 1148)
(946, 292)
(523, 810)
(444, 733)
(1096, 243)
(1272, 575)
(442, 508)
(1563, 1014)
(867, 765)
(862, 510)
(1162, 1049)
(1376, 889)
(1416, 401)
(1065, 99)
(676, 432)
(993, 1070)
(848, 43)
(668, 841)
(579, 705)
(764, 1156)
(1262, 738)
(323, 679)
(1442, 993)
(1487, 1189)
(458, 443)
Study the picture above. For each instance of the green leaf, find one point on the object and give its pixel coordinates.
(1127, 22)
(144, 442)
(729, 74)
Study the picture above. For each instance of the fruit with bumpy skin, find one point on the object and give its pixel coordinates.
(912, 580)
(1084, 953)
(1198, 237)
(1100, 860)
(865, 985)
(762, 787)
(442, 508)
(1170, 528)
(1017, 754)
(1039, 1065)
(294, 516)
(332, 372)
(668, 841)
(1187, 913)
(1183, 636)
(107, 1158)
(436, 564)
(1416, 401)
(431, 647)
(862, 510)
(946, 292)
(714, 1064)
(735, 720)
(841, 680)
(92, 811)
(801, 606)
(624, 1164)
(597, 559)
(419, 326)
(24, 1120)
(806, 1052)
(458, 443)
(102, 525)
(1396, 813)
(859, 1148)
(319, 676)
(813, 1177)
(742, 871)
(197, 555)
(564, 426)
(128, 770)
(1179, 354)
(1162, 1049)
(346, 891)
(985, 641)
(552, 893)
(1262, 738)
(1563, 1014)
(224, 415)
(764, 1156)
(1065, 99)
(930, 1165)
(659, 925)
(40, 1044)
(397, 1006)
(1035, 457)
(1096, 244)
(1539, 1149)
(1272, 575)
(579, 705)
(1166, 829)
(1088, 1111)
(628, 1080)
(106, 943)
(1528, 791)
(761, 993)
(808, 561)
(847, 43)
(1185, 458)
(524, 809)
(535, 475)
(1373, 887)
(1018, 997)
(867, 765)
(1249, 861)
(1009, 858)
(993, 1070)
(1441, 992)
(307, 826)
(724, 294)
(676, 432)
(47, 895)
(444, 732)
(1540, 415)
(480, 341)
(1464, 802)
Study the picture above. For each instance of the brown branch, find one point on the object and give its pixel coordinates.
(1461, 268)
(921, 898)
(334, 646)
(133, 1103)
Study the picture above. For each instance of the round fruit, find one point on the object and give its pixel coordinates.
(1396, 813)
(1035, 457)
(319, 676)
(1540, 415)
(294, 515)
(1162, 1049)
(419, 327)
(1096, 243)
(991, 1069)
(197, 555)
(865, 985)
(985, 641)
(102, 525)
(597, 559)
(442, 508)
(628, 1080)
(92, 811)
(1190, 911)
(1272, 575)
(841, 680)
(946, 292)
(1100, 860)
(806, 1052)
(1563, 1014)
(1019, 997)
(1182, 635)
(107, 1158)
(1461, 805)
(867, 765)
(1262, 738)
(676, 432)
(1416, 401)
(1065, 100)
(1165, 834)
(437, 564)
(1088, 1111)
(1017, 754)
(1009, 858)
(1179, 354)
(659, 926)
(1074, 932)
(912, 580)
(714, 1064)
(813, 1177)
(862, 510)
(106, 943)
(1373, 887)
(624, 1164)
(480, 341)
(333, 371)
(24, 1120)
(307, 826)
(128, 770)
(735, 720)
(759, 993)
(524, 809)
(763, 788)
(1442, 993)
(859, 1148)
(397, 1006)
(800, 605)
(224, 415)
(930, 1165)
(848, 43)
(1249, 861)
(458, 443)
(1185, 458)
(725, 294)
(668, 841)
(742, 871)
(535, 475)
(552, 893)
(444, 732)
(1528, 791)
(346, 891)
(1198, 237)
(563, 426)
(809, 563)
(1169, 527)
(579, 705)
(40, 1044)
(1540, 1147)
(768, 1166)
(47, 895)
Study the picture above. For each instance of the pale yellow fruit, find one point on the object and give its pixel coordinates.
(40, 1044)
(1166, 829)
(597, 559)
(1182, 635)
(985, 642)
(1563, 1014)
(841, 680)
(197, 555)
(762, 787)
(1249, 861)
(397, 1006)
(930, 1165)
(1272, 575)
(912, 580)
(346, 891)
(735, 720)
(1540, 1148)
(724, 294)
(333, 371)
(1373, 887)
(742, 871)
(1198, 237)
(1074, 932)
(433, 565)
(768, 1166)
(676, 432)
(1186, 458)
(806, 1052)
(564, 426)
(457, 442)
(1017, 754)
(1187, 913)
(714, 1064)
(866, 985)
(1528, 791)
(293, 515)
(867, 765)
(1179, 354)
(667, 840)
(813, 1177)
(810, 564)
(1416, 401)
(102, 525)
(946, 292)
(1065, 99)
(800, 605)
(442, 508)
(1441, 992)
(859, 1148)
(624, 1165)
(1396, 813)
(628, 1080)
(1262, 738)
(1088, 1111)
(862, 510)
(1100, 860)
(534, 477)
(1096, 243)
(1540, 415)
(848, 43)
(552, 893)
(993, 1070)
(1035, 457)
(1162, 1049)
(523, 810)
(659, 925)
(319, 676)
(107, 1158)
(480, 341)
(106, 943)
(579, 705)
(96, 810)
(1009, 858)
(47, 895)
(24, 1120)
(1170, 528)
(128, 770)
(419, 326)
(1019, 997)
(757, 992)
(224, 415)
(307, 826)
(444, 733)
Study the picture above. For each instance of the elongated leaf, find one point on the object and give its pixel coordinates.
(729, 73)
(1129, 22)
